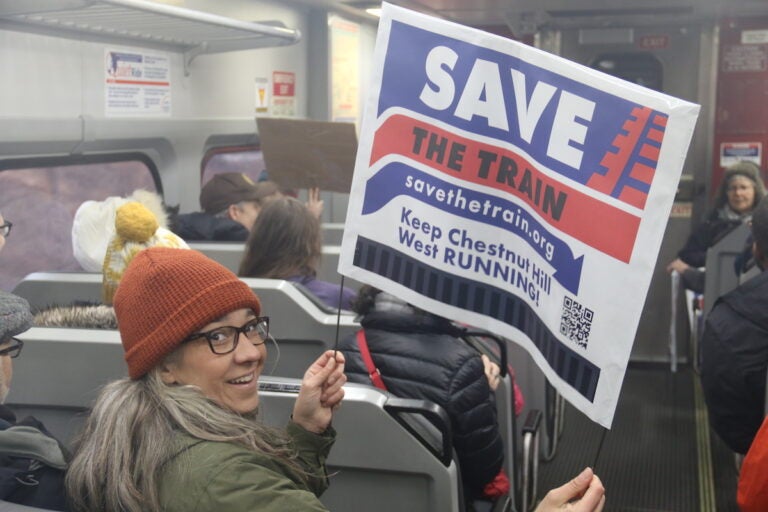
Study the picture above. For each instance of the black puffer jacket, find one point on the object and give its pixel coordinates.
(201, 226)
(419, 356)
(734, 352)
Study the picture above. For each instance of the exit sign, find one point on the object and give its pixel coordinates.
(655, 42)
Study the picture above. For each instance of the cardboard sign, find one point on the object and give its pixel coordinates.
(300, 153)
(510, 189)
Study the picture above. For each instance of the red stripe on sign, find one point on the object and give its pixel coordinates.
(643, 173)
(136, 82)
(655, 135)
(651, 153)
(561, 206)
(660, 121)
(633, 196)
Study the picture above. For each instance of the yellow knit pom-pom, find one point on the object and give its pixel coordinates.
(134, 222)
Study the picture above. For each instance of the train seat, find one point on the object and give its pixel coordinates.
(333, 232)
(44, 289)
(721, 275)
(86, 359)
(230, 254)
(295, 314)
(7, 506)
(386, 457)
(302, 326)
(369, 423)
(60, 372)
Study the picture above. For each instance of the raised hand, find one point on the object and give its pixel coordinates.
(321, 392)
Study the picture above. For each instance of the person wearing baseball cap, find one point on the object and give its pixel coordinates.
(231, 202)
(181, 432)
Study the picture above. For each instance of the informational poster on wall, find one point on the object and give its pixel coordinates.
(733, 152)
(283, 93)
(137, 83)
(744, 59)
(345, 70)
(261, 99)
(506, 188)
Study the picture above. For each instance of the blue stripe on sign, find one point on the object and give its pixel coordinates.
(481, 298)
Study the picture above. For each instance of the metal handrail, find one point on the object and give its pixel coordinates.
(530, 479)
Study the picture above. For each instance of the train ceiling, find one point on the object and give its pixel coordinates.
(528, 16)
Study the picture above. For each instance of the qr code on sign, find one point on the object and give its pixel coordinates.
(576, 322)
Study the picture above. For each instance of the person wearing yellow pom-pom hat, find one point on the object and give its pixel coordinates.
(136, 228)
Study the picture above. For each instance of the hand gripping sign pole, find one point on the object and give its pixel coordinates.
(515, 191)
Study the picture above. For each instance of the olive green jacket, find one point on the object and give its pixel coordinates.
(208, 476)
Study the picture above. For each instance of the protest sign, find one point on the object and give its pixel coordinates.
(510, 189)
(302, 153)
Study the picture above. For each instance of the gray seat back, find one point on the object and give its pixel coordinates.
(302, 330)
(333, 232)
(749, 274)
(721, 275)
(6, 506)
(59, 373)
(43, 289)
(374, 452)
(230, 254)
(377, 465)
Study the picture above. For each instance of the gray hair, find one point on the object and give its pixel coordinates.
(131, 433)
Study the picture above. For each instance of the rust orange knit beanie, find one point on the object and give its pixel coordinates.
(166, 295)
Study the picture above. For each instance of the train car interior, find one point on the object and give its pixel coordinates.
(70, 133)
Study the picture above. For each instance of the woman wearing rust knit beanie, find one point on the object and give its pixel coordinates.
(181, 433)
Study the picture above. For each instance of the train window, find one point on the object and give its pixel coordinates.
(40, 197)
(637, 67)
(246, 159)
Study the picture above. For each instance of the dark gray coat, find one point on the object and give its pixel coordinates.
(734, 351)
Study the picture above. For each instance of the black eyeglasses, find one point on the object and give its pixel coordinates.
(5, 229)
(223, 340)
(14, 349)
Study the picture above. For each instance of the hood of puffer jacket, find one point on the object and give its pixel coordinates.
(750, 300)
(83, 317)
(413, 322)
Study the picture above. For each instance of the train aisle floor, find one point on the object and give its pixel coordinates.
(659, 454)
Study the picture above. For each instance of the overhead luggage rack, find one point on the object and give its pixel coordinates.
(143, 23)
